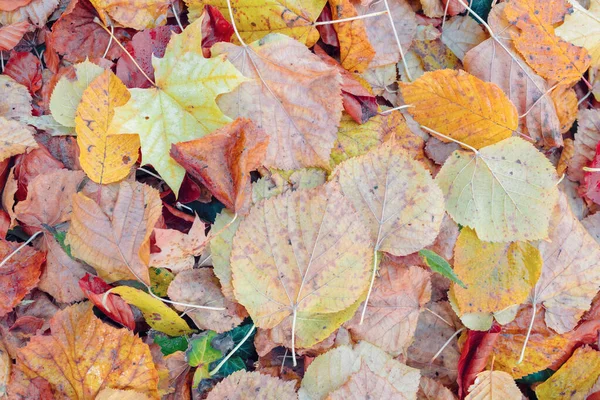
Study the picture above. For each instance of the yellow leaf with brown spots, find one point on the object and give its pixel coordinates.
(136, 14)
(461, 106)
(83, 355)
(565, 100)
(104, 155)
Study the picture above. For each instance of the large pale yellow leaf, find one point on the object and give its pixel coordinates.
(497, 275)
(494, 385)
(156, 313)
(505, 191)
(570, 276)
(294, 96)
(180, 107)
(136, 14)
(84, 355)
(67, 93)
(461, 106)
(255, 19)
(297, 253)
(15, 138)
(396, 198)
(116, 243)
(574, 379)
(104, 156)
(243, 385)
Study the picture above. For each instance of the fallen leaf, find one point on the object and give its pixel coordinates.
(178, 249)
(524, 180)
(365, 384)
(300, 99)
(122, 360)
(10, 5)
(16, 138)
(67, 94)
(461, 34)
(114, 394)
(492, 385)
(565, 100)
(26, 69)
(220, 248)
(288, 261)
(244, 385)
(254, 20)
(581, 28)
(432, 389)
(20, 274)
(116, 244)
(112, 305)
(575, 377)
(586, 140)
(156, 313)
(16, 102)
(201, 287)
(222, 161)
(461, 106)
(200, 354)
(11, 35)
(398, 297)
(36, 12)
(105, 156)
(29, 165)
(215, 28)
(441, 266)
(569, 279)
(133, 14)
(474, 355)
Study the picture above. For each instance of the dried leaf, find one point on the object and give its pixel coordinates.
(134, 14)
(565, 101)
(461, 34)
(26, 69)
(11, 35)
(114, 394)
(300, 99)
(244, 385)
(523, 184)
(365, 384)
(177, 250)
(120, 359)
(586, 140)
(493, 385)
(582, 28)
(16, 138)
(36, 12)
(112, 305)
(220, 249)
(15, 102)
(10, 5)
(462, 107)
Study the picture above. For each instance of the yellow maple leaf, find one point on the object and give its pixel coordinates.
(104, 157)
(179, 108)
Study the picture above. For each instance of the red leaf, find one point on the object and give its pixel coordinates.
(474, 356)
(142, 46)
(11, 35)
(26, 69)
(189, 190)
(116, 308)
(27, 324)
(10, 5)
(328, 33)
(357, 101)
(4, 224)
(215, 28)
(77, 36)
(30, 165)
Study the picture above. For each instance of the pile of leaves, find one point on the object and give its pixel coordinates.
(301, 199)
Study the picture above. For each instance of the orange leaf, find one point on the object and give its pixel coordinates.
(10, 5)
(136, 14)
(84, 355)
(19, 275)
(11, 35)
(565, 101)
(177, 250)
(223, 160)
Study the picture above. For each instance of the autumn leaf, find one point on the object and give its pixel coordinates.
(122, 360)
(133, 14)
(461, 34)
(276, 271)
(36, 12)
(10, 5)
(26, 69)
(255, 19)
(116, 243)
(365, 384)
(180, 107)
(220, 249)
(521, 180)
(16, 138)
(462, 107)
(16, 103)
(200, 354)
(566, 103)
(586, 140)
(493, 384)
(582, 28)
(177, 250)
(300, 99)
(11, 35)
(252, 385)
(105, 156)
(223, 160)
(156, 313)
(112, 305)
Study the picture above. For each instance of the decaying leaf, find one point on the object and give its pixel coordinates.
(586, 140)
(461, 34)
(11, 35)
(505, 192)
(134, 14)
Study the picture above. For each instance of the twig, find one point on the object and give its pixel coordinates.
(387, 7)
(396, 109)
(150, 173)
(112, 35)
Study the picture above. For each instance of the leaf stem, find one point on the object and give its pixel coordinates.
(349, 19)
(522, 356)
(176, 14)
(232, 352)
(446, 344)
(391, 110)
(591, 169)
(387, 7)
(436, 133)
(537, 101)
(112, 35)
(295, 316)
(235, 29)
(364, 310)
(19, 248)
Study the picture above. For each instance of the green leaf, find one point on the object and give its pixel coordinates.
(232, 365)
(481, 8)
(441, 266)
(200, 351)
(60, 238)
(169, 345)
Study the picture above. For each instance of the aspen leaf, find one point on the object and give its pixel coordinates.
(255, 19)
(461, 106)
(105, 156)
(296, 253)
(80, 340)
(244, 385)
(497, 275)
(181, 107)
(116, 244)
(493, 385)
(134, 14)
(396, 198)
(505, 192)
(582, 28)
(576, 377)
(570, 277)
(156, 313)
(177, 250)
(300, 99)
(16, 138)
(15, 102)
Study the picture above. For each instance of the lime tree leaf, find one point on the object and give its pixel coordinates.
(505, 191)
(304, 252)
(441, 266)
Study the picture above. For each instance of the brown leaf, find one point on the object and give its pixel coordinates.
(177, 250)
(116, 243)
(586, 140)
(244, 385)
(365, 384)
(15, 102)
(201, 287)
(223, 160)
(431, 389)
(17, 138)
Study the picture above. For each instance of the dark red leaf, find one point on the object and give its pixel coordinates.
(189, 190)
(215, 28)
(474, 356)
(327, 32)
(116, 308)
(26, 69)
